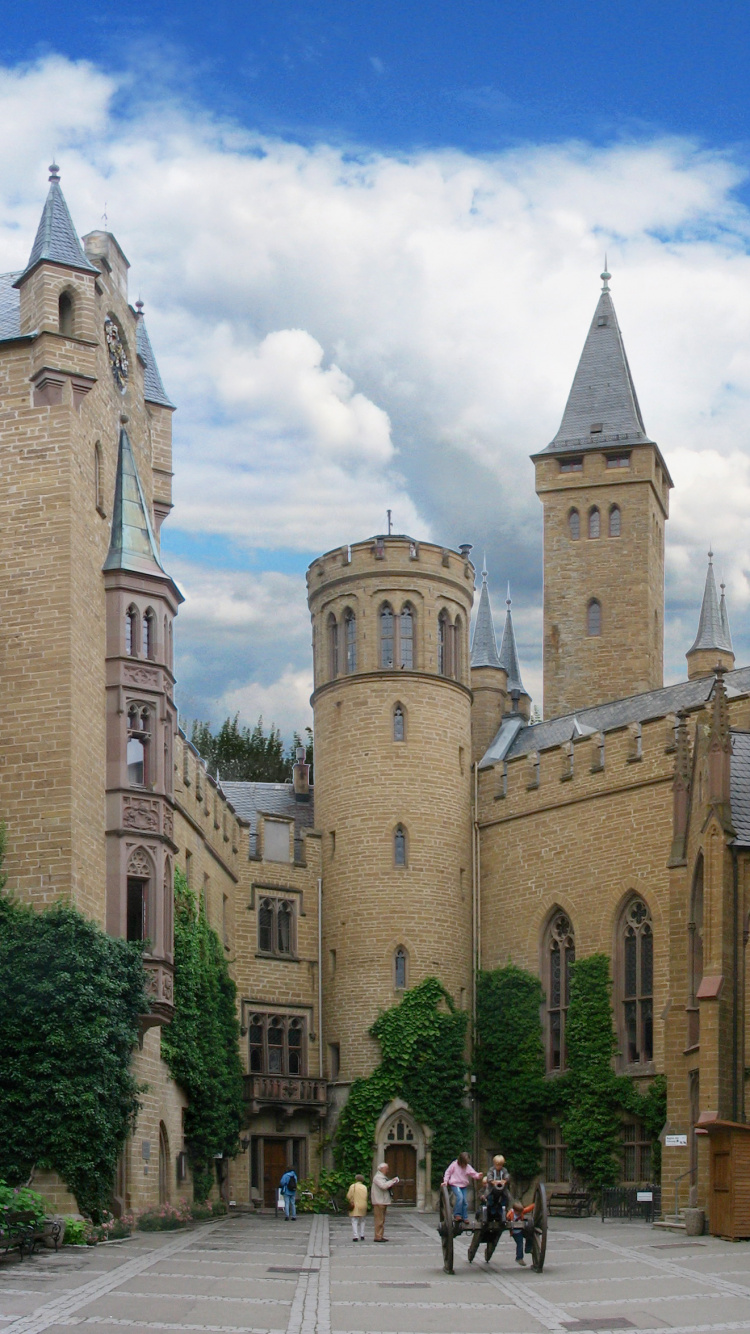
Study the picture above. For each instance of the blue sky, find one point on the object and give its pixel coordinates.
(368, 237)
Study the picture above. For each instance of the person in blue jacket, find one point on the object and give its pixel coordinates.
(288, 1188)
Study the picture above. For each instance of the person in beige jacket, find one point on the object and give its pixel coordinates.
(380, 1194)
(357, 1199)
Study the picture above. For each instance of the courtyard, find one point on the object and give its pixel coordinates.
(252, 1274)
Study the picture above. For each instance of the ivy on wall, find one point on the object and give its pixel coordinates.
(70, 998)
(422, 1061)
(592, 1113)
(201, 1045)
(509, 1065)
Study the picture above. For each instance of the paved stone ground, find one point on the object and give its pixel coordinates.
(256, 1275)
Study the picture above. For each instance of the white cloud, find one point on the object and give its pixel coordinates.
(345, 333)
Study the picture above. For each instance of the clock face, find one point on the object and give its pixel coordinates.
(118, 358)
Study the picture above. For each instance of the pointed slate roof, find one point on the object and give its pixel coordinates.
(10, 307)
(713, 625)
(603, 395)
(56, 238)
(483, 643)
(132, 544)
(153, 389)
(509, 653)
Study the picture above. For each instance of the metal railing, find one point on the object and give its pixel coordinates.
(631, 1202)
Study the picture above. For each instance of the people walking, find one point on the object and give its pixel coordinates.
(458, 1174)
(288, 1188)
(380, 1194)
(357, 1200)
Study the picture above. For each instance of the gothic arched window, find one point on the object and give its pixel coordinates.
(284, 920)
(399, 968)
(615, 521)
(695, 954)
(399, 846)
(256, 1035)
(139, 876)
(559, 956)
(65, 313)
(399, 724)
(139, 736)
(98, 483)
(350, 623)
(574, 525)
(594, 522)
(333, 647)
(386, 636)
(294, 1044)
(594, 617)
(406, 638)
(148, 636)
(457, 655)
(275, 1046)
(131, 631)
(443, 644)
(636, 982)
(265, 926)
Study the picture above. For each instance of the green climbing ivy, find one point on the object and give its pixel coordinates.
(422, 1043)
(592, 1113)
(509, 1065)
(70, 998)
(201, 1045)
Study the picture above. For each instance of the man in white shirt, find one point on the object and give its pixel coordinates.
(380, 1194)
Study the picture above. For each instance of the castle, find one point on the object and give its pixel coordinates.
(447, 832)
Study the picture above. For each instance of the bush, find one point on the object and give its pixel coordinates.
(166, 1218)
(318, 1194)
(76, 1232)
(20, 1199)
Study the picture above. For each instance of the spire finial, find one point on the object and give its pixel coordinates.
(606, 275)
(484, 568)
(710, 557)
(54, 171)
(508, 598)
(139, 306)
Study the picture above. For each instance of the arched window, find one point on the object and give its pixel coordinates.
(147, 641)
(443, 645)
(131, 631)
(574, 525)
(350, 622)
(386, 636)
(636, 980)
(139, 874)
(284, 919)
(594, 522)
(333, 647)
(275, 1046)
(139, 736)
(615, 521)
(256, 1035)
(594, 617)
(457, 662)
(406, 638)
(399, 724)
(98, 484)
(559, 955)
(294, 1041)
(65, 313)
(164, 1172)
(265, 926)
(695, 954)
(399, 846)
(399, 969)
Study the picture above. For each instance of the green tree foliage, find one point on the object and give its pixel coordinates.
(70, 998)
(201, 1045)
(240, 754)
(592, 1115)
(422, 1061)
(509, 1065)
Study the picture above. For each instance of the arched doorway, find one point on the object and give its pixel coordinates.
(163, 1164)
(401, 1157)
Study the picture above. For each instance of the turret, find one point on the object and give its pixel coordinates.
(489, 679)
(519, 699)
(713, 642)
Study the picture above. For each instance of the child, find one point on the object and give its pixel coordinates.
(515, 1218)
(357, 1199)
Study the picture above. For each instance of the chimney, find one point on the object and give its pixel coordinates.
(301, 775)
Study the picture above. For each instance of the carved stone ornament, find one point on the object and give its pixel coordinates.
(118, 359)
(139, 864)
(140, 813)
(168, 822)
(166, 985)
(142, 676)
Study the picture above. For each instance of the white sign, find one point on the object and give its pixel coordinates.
(675, 1141)
(644, 1196)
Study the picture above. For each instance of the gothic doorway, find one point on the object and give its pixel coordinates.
(275, 1163)
(402, 1163)
(163, 1164)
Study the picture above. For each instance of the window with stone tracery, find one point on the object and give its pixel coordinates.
(277, 1044)
(350, 623)
(131, 632)
(406, 638)
(386, 636)
(139, 876)
(138, 746)
(400, 960)
(276, 927)
(635, 978)
(559, 956)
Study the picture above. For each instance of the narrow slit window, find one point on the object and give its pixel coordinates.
(399, 968)
(406, 636)
(594, 618)
(399, 724)
(399, 846)
(386, 637)
(594, 522)
(351, 642)
(333, 647)
(574, 525)
(615, 521)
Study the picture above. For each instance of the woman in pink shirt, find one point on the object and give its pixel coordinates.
(458, 1175)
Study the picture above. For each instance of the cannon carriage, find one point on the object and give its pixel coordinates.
(488, 1229)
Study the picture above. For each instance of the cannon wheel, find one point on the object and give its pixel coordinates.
(489, 1249)
(446, 1228)
(474, 1244)
(539, 1239)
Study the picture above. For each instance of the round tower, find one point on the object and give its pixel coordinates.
(392, 704)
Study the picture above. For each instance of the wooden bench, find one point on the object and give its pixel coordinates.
(571, 1204)
(20, 1230)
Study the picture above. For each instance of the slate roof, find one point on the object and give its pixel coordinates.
(509, 654)
(10, 307)
(603, 394)
(153, 389)
(483, 642)
(713, 623)
(132, 544)
(739, 786)
(56, 239)
(512, 740)
(253, 799)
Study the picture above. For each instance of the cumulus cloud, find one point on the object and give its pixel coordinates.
(349, 331)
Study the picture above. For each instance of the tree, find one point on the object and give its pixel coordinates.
(239, 754)
(509, 1064)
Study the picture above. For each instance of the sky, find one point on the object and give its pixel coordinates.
(368, 238)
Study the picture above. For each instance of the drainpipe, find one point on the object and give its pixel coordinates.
(320, 976)
(475, 943)
(735, 987)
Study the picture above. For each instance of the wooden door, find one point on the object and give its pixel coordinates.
(274, 1167)
(402, 1162)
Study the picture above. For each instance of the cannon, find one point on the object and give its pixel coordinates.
(487, 1231)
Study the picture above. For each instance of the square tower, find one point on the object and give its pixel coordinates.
(605, 491)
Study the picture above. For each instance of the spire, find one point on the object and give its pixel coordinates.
(509, 653)
(483, 643)
(713, 625)
(602, 405)
(132, 544)
(153, 389)
(56, 238)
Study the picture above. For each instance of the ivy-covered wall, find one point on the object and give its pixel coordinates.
(509, 1065)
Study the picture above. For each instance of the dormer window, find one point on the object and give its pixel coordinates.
(596, 428)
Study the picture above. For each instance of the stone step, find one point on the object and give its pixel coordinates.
(671, 1224)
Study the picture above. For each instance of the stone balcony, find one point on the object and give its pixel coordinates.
(286, 1094)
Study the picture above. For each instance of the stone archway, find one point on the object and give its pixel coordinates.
(404, 1143)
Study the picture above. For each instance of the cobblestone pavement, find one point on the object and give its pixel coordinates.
(257, 1275)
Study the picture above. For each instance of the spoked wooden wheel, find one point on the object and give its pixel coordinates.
(446, 1228)
(474, 1244)
(539, 1239)
(489, 1249)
